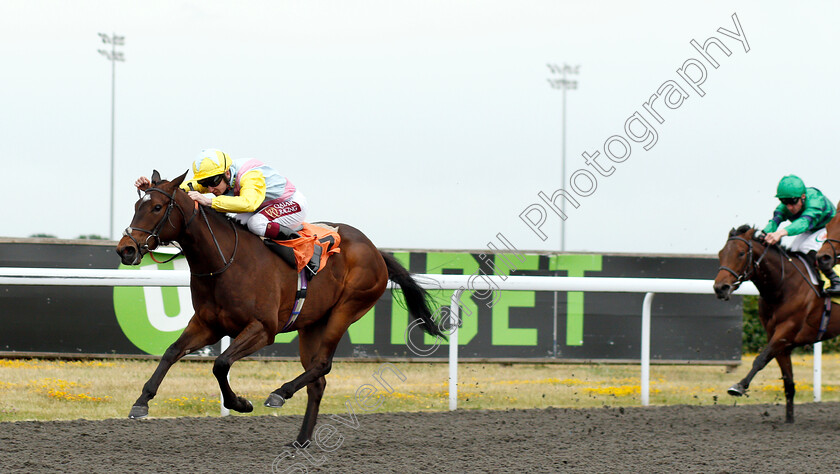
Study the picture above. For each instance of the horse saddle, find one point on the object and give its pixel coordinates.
(310, 250)
(826, 283)
(820, 281)
(817, 278)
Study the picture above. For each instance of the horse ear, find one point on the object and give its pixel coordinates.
(155, 177)
(180, 179)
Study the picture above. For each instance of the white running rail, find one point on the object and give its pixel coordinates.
(460, 283)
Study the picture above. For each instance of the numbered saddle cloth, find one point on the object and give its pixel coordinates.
(314, 246)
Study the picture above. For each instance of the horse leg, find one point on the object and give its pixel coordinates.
(759, 363)
(194, 337)
(310, 338)
(787, 378)
(318, 365)
(250, 340)
(314, 393)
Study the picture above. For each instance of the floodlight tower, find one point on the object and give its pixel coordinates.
(563, 84)
(113, 55)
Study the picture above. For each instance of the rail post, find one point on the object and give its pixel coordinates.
(817, 371)
(645, 385)
(455, 322)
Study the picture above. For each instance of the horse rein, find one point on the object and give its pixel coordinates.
(751, 267)
(227, 263)
(804, 277)
(155, 232)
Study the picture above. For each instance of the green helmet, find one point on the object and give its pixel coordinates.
(790, 186)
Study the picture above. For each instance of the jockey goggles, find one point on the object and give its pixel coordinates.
(212, 181)
(789, 201)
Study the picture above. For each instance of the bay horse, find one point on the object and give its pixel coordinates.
(827, 254)
(790, 307)
(241, 289)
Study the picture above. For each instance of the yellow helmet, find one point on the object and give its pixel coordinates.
(210, 162)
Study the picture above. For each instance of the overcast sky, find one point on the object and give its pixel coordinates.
(429, 124)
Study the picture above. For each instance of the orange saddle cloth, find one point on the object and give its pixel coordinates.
(319, 241)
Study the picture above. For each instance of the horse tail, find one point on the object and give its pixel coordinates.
(418, 301)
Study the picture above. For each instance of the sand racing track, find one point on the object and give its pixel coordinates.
(750, 438)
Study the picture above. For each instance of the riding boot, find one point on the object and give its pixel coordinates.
(275, 231)
(834, 289)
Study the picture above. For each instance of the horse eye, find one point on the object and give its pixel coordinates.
(158, 207)
(741, 254)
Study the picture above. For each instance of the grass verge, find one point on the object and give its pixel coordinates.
(34, 389)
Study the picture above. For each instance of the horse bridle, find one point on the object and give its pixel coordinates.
(749, 268)
(831, 243)
(155, 232)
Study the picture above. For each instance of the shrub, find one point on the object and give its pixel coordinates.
(754, 338)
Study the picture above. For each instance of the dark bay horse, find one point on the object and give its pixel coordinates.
(242, 289)
(830, 251)
(789, 306)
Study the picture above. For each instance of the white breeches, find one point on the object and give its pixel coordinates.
(289, 213)
(808, 241)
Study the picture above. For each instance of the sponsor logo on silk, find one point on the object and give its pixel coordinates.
(821, 236)
(280, 209)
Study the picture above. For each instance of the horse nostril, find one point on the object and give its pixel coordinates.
(824, 261)
(127, 254)
(723, 291)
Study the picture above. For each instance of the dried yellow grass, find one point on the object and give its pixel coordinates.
(32, 389)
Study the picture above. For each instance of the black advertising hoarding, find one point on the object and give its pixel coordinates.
(502, 324)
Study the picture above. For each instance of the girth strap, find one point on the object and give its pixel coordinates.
(825, 317)
(300, 297)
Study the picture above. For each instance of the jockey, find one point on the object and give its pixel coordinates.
(263, 200)
(809, 211)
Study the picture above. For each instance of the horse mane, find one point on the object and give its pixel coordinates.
(784, 251)
(741, 230)
(222, 217)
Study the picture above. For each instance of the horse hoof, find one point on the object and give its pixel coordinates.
(736, 391)
(242, 405)
(138, 412)
(274, 401)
